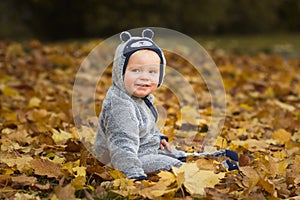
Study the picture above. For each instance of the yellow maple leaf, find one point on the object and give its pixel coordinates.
(9, 91)
(268, 186)
(196, 180)
(34, 102)
(164, 187)
(124, 186)
(282, 136)
(85, 134)
(221, 142)
(60, 137)
(167, 177)
(281, 167)
(78, 182)
(116, 174)
(79, 171)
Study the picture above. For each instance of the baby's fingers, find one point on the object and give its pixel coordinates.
(161, 147)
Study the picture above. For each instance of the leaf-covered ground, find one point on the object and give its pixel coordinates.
(43, 158)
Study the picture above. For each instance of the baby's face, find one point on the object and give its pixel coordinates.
(142, 73)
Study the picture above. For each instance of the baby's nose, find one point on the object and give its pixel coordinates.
(145, 75)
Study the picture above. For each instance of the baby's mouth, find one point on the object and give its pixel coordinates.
(142, 85)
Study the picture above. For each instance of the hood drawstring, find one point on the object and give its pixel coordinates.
(151, 107)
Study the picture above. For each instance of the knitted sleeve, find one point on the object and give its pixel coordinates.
(162, 136)
(122, 128)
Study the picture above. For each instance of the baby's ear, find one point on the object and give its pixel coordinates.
(148, 33)
(124, 36)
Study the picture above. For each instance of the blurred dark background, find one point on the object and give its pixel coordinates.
(69, 19)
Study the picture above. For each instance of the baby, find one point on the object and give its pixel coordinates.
(127, 136)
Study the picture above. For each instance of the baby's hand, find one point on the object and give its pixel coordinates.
(164, 144)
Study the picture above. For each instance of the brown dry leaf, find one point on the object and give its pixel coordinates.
(24, 180)
(206, 164)
(66, 192)
(45, 167)
(268, 186)
(196, 180)
(297, 179)
(297, 163)
(43, 187)
(5, 179)
(9, 145)
(250, 180)
(262, 124)
(99, 171)
(20, 162)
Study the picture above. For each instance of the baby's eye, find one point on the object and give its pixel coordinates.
(153, 72)
(135, 70)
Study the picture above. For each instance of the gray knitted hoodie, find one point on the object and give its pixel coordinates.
(127, 136)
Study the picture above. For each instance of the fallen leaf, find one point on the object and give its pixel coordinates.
(24, 180)
(196, 180)
(282, 136)
(45, 167)
(281, 167)
(116, 174)
(268, 186)
(285, 106)
(78, 182)
(60, 137)
(43, 187)
(66, 192)
(164, 187)
(8, 91)
(34, 102)
(250, 180)
(251, 144)
(20, 162)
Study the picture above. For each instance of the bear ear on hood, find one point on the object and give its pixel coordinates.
(125, 36)
(148, 33)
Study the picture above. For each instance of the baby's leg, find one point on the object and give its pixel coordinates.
(154, 163)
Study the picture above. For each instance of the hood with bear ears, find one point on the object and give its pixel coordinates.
(130, 45)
